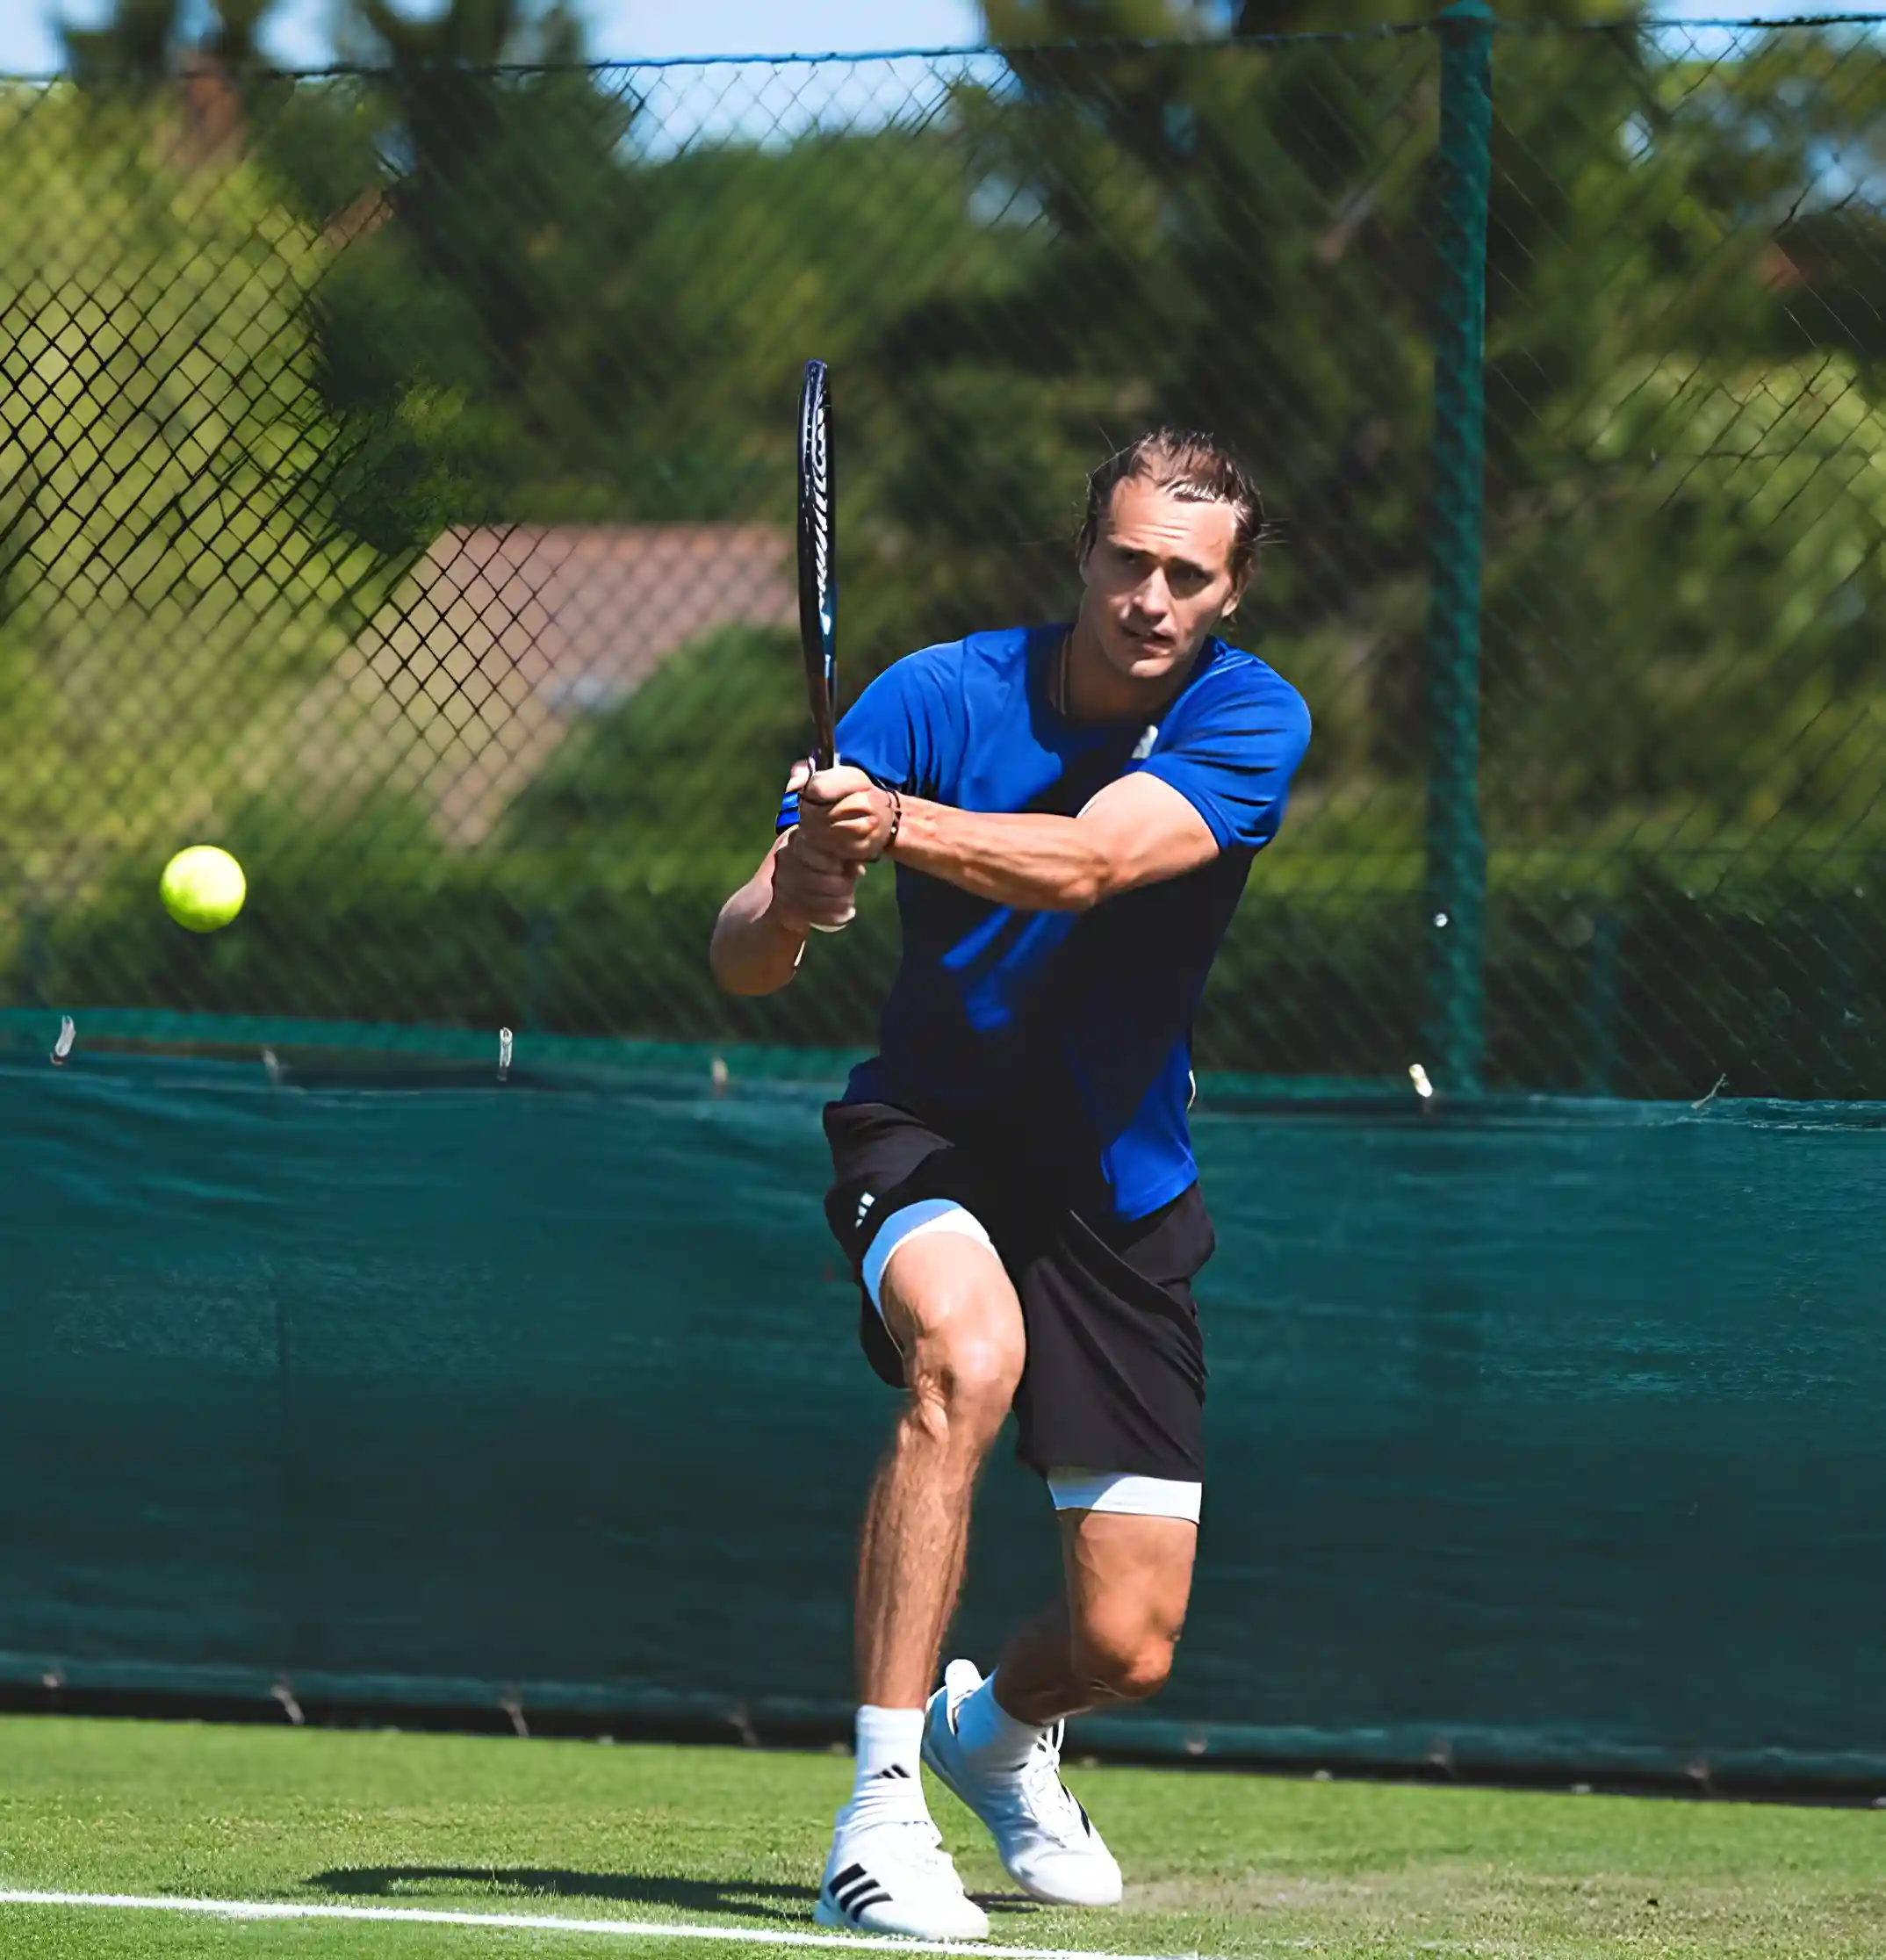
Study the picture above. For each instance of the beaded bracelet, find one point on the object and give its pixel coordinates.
(896, 818)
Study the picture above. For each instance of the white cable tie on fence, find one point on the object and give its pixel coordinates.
(68, 1034)
(504, 1053)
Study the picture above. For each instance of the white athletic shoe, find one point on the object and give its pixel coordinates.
(892, 1875)
(1047, 1841)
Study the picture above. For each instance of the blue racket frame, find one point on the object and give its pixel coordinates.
(818, 577)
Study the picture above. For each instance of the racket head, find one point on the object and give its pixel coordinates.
(818, 579)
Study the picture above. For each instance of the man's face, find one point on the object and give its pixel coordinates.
(1158, 579)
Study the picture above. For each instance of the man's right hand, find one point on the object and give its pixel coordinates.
(759, 937)
(812, 892)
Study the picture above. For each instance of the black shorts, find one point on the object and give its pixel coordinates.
(1114, 1378)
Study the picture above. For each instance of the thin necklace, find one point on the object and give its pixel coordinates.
(1061, 674)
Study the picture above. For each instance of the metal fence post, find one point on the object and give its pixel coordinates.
(1457, 853)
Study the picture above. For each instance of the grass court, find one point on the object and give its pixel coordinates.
(731, 1839)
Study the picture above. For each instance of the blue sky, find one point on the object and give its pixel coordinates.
(300, 35)
(299, 32)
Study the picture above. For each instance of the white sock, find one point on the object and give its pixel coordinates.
(889, 1774)
(991, 1737)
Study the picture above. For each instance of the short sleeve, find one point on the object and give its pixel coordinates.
(905, 730)
(1234, 753)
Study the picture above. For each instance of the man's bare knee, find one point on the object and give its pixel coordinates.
(954, 1316)
(969, 1380)
(1129, 1577)
(1123, 1665)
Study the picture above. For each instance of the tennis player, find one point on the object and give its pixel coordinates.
(1072, 812)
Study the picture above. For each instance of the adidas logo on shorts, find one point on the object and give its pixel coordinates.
(864, 1206)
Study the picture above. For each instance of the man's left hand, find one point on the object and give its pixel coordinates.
(845, 815)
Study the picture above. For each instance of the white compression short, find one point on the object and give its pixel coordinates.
(1120, 1491)
(1124, 1492)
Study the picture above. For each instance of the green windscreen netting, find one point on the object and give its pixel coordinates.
(1536, 1436)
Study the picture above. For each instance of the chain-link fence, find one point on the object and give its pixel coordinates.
(395, 484)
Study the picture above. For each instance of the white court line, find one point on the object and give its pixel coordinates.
(544, 1922)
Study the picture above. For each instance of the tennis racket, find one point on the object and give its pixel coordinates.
(818, 582)
(819, 576)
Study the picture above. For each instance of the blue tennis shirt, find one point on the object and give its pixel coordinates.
(1068, 1036)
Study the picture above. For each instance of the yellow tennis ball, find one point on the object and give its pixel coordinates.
(202, 887)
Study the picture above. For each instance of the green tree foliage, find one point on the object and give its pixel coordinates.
(139, 41)
(484, 220)
(134, 45)
(721, 722)
(1237, 238)
(1686, 514)
(172, 574)
(478, 296)
(1223, 237)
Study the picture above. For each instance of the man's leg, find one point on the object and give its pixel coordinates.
(948, 1304)
(1116, 1376)
(1108, 1641)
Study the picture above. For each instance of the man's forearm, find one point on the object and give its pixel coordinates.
(753, 951)
(1033, 863)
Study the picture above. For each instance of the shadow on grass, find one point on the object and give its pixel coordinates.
(1005, 1902)
(756, 1899)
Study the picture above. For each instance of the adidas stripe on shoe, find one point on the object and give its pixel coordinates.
(852, 1889)
(892, 1875)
